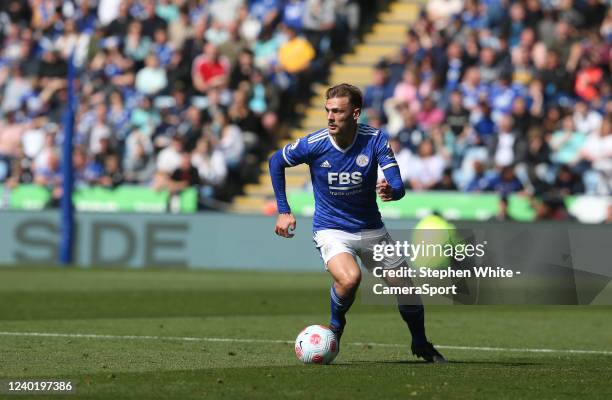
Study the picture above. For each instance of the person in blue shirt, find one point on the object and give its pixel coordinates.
(344, 158)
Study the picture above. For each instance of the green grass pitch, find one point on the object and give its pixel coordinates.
(139, 322)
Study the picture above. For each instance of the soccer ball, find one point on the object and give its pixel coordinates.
(316, 344)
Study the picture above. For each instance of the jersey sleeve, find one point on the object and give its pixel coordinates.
(388, 164)
(289, 156)
(295, 153)
(384, 154)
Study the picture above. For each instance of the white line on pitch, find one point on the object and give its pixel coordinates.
(231, 340)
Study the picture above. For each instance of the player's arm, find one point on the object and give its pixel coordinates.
(289, 156)
(391, 188)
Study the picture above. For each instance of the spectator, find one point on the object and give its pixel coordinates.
(118, 20)
(555, 79)
(522, 118)
(567, 182)
(426, 169)
(597, 153)
(293, 14)
(152, 78)
(210, 69)
(16, 89)
(50, 176)
(20, 170)
(537, 160)
(429, 115)
(446, 183)
(151, 22)
(410, 134)
(407, 91)
(586, 120)
(161, 47)
(505, 182)
(180, 29)
(294, 58)
(184, 175)
(190, 128)
(567, 143)
(550, 207)
(489, 70)
(379, 91)
(169, 158)
(136, 46)
(471, 88)
(480, 179)
(318, 21)
(483, 124)
(138, 164)
(504, 143)
(112, 176)
(99, 129)
(457, 117)
(210, 163)
(266, 49)
(231, 141)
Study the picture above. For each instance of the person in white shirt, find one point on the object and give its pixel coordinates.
(597, 150)
(505, 141)
(586, 120)
(426, 168)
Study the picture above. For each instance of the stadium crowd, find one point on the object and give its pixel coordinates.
(170, 93)
(484, 95)
(502, 96)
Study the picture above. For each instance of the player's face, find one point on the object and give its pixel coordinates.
(341, 115)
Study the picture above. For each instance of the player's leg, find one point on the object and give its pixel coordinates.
(410, 306)
(413, 313)
(346, 273)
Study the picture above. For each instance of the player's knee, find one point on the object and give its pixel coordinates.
(349, 281)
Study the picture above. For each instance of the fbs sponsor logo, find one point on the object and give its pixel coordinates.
(344, 178)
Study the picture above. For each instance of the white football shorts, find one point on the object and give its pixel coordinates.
(331, 242)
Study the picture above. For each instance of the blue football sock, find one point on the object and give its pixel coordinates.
(414, 316)
(339, 307)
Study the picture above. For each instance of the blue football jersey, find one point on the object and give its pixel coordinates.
(344, 180)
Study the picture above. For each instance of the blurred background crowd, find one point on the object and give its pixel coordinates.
(489, 95)
(171, 93)
(503, 96)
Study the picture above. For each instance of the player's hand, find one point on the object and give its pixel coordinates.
(384, 190)
(285, 224)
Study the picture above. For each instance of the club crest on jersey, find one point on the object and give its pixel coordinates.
(362, 160)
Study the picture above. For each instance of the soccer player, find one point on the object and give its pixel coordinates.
(343, 160)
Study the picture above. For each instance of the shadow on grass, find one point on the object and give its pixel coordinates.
(450, 362)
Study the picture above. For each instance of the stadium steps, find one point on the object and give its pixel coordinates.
(384, 40)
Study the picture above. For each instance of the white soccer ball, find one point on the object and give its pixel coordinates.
(316, 344)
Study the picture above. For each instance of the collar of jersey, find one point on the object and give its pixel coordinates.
(333, 142)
